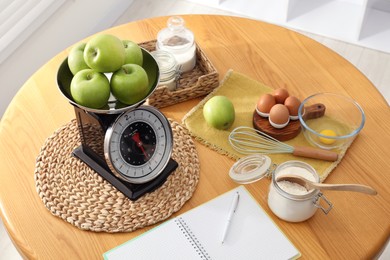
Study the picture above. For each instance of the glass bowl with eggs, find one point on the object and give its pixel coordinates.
(343, 120)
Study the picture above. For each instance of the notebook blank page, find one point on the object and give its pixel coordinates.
(251, 235)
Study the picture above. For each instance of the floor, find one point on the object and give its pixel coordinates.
(374, 64)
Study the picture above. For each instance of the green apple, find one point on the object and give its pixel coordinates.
(219, 112)
(104, 53)
(133, 53)
(130, 84)
(90, 88)
(76, 58)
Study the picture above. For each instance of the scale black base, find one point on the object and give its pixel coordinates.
(132, 191)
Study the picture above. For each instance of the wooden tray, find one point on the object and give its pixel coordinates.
(195, 83)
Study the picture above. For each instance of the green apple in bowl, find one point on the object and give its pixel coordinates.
(76, 60)
(90, 88)
(219, 112)
(104, 53)
(130, 84)
(133, 53)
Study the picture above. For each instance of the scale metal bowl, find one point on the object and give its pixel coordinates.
(64, 78)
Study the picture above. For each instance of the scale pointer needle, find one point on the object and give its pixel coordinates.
(139, 144)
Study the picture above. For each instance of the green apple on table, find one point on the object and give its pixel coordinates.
(90, 88)
(76, 60)
(130, 84)
(104, 53)
(133, 53)
(219, 112)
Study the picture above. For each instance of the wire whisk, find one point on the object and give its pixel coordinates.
(248, 140)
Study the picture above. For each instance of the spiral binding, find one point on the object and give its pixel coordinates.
(192, 239)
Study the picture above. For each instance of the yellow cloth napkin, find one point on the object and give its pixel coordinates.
(244, 93)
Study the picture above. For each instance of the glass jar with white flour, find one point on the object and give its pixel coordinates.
(287, 200)
(179, 41)
(291, 201)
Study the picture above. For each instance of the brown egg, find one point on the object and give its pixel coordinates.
(292, 103)
(279, 115)
(280, 95)
(264, 104)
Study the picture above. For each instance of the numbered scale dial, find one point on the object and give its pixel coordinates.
(138, 145)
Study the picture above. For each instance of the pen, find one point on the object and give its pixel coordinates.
(231, 212)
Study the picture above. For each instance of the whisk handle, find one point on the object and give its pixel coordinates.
(315, 153)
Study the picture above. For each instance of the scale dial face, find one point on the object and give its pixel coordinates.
(138, 145)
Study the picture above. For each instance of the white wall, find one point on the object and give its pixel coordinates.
(74, 20)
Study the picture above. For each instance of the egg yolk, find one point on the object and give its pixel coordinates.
(327, 132)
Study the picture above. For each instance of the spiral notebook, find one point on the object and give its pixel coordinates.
(197, 234)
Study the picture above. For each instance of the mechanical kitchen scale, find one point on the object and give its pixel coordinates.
(129, 146)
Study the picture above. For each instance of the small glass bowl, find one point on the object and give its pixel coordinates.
(342, 121)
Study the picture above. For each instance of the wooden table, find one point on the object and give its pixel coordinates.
(356, 228)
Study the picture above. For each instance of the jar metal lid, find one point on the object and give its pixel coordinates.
(250, 168)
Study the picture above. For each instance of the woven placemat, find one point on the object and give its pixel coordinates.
(72, 191)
